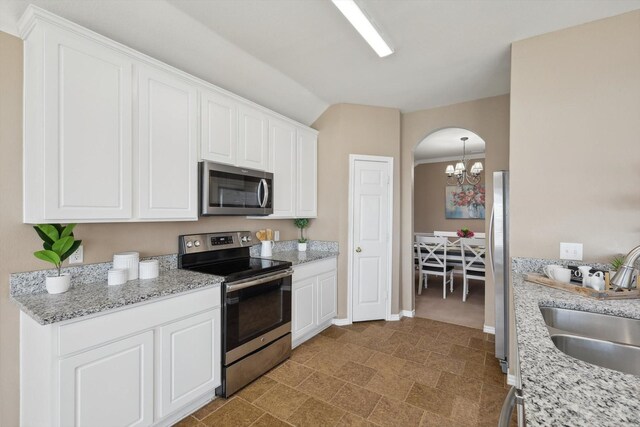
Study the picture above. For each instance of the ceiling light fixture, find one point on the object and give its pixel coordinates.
(458, 174)
(364, 26)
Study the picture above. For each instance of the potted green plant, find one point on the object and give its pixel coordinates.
(301, 223)
(616, 262)
(58, 244)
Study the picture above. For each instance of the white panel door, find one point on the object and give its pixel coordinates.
(219, 127)
(167, 159)
(253, 142)
(303, 306)
(327, 297)
(307, 197)
(283, 165)
(110, 385)
(87, 130)
(190, 351)
(370, 235)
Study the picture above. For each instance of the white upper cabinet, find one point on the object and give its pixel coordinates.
(253, 143)
(77, 129)
(307, 198)
(283, 165)
(112, 135)
(294, 163)
(167, 159)
(219, 127)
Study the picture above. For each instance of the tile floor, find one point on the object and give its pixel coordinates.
(415, 372)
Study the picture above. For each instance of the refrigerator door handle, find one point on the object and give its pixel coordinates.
(491, 242)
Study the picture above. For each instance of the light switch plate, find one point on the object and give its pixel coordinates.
(78, 256)
(571, 251)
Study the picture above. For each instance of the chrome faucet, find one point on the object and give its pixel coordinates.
(625, 277)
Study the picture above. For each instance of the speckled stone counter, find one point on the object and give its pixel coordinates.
(98, 297)
(559, 389)
(297, 258)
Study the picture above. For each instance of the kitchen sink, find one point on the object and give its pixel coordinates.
(619, 357)
(593, 325)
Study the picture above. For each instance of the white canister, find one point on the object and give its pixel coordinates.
(117, 276)
(128, 261)
(267, 248)
(149, 269)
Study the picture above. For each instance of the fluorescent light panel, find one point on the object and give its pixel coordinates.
(361, 23)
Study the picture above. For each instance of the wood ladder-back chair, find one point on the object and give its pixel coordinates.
(432, 259)
(473, 262)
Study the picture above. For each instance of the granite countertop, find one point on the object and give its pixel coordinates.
(297, 258)
(559, 389)
(98, 297)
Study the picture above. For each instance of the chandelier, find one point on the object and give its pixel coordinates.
(458, 174)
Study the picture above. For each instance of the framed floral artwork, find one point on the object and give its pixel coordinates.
(464, 201)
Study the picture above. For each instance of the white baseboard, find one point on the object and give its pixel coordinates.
(489, 330)
(394, 317)
(407, 313)
(341, 322)
(511, 379)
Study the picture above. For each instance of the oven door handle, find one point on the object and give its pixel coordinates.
(254, 281)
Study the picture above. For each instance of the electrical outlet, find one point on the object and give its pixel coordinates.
(78, 256)
(571, 251)
(276, 235)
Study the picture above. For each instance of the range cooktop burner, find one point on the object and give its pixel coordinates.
(242, 268)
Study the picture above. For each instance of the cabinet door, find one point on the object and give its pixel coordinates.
(303, 304)
(282, 138)
(327, 297)
(87, 130)
(190, 351)
(219, 128)
(110, 385)
(167, 160)
(307, 197)
(253, 143)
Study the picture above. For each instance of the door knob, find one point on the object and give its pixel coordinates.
(358, 249)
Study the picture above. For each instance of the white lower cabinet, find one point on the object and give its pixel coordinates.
(151, 364)
(189, 362)
(314, 298)
(111, 385)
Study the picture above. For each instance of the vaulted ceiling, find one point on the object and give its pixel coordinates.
(299, 56)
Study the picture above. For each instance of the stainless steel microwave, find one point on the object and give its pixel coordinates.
(230, 190)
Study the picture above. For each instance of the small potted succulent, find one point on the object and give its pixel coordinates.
(616, 262)
(301, 223)
(58, 244)
(465, 232)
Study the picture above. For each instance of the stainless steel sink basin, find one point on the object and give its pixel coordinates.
(593, 325)
(620, 357)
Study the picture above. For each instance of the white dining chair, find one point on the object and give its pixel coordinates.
(473, 262)
(432, 257)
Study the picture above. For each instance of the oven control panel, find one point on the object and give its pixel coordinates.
(194, 243)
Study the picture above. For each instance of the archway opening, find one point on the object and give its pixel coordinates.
(443, 204)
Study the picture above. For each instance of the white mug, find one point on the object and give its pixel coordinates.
(267, 248)
(596, 281)
(547, 269)
(561, 274)
(584, 272)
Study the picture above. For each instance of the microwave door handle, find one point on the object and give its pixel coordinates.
(265, 199)
(259, 192)
(262, 201)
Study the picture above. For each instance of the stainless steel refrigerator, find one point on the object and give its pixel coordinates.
(499, 234)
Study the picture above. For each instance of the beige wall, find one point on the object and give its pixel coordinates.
(18, 241)
(489, 119)
(575, 140)
(429, 182)
(354, 129)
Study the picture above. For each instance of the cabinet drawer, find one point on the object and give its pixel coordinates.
(82, 334)
(314, 268)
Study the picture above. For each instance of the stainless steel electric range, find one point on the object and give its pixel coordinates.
(256, 312)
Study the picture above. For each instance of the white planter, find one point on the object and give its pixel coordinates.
(302, 247)
(58, 284)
